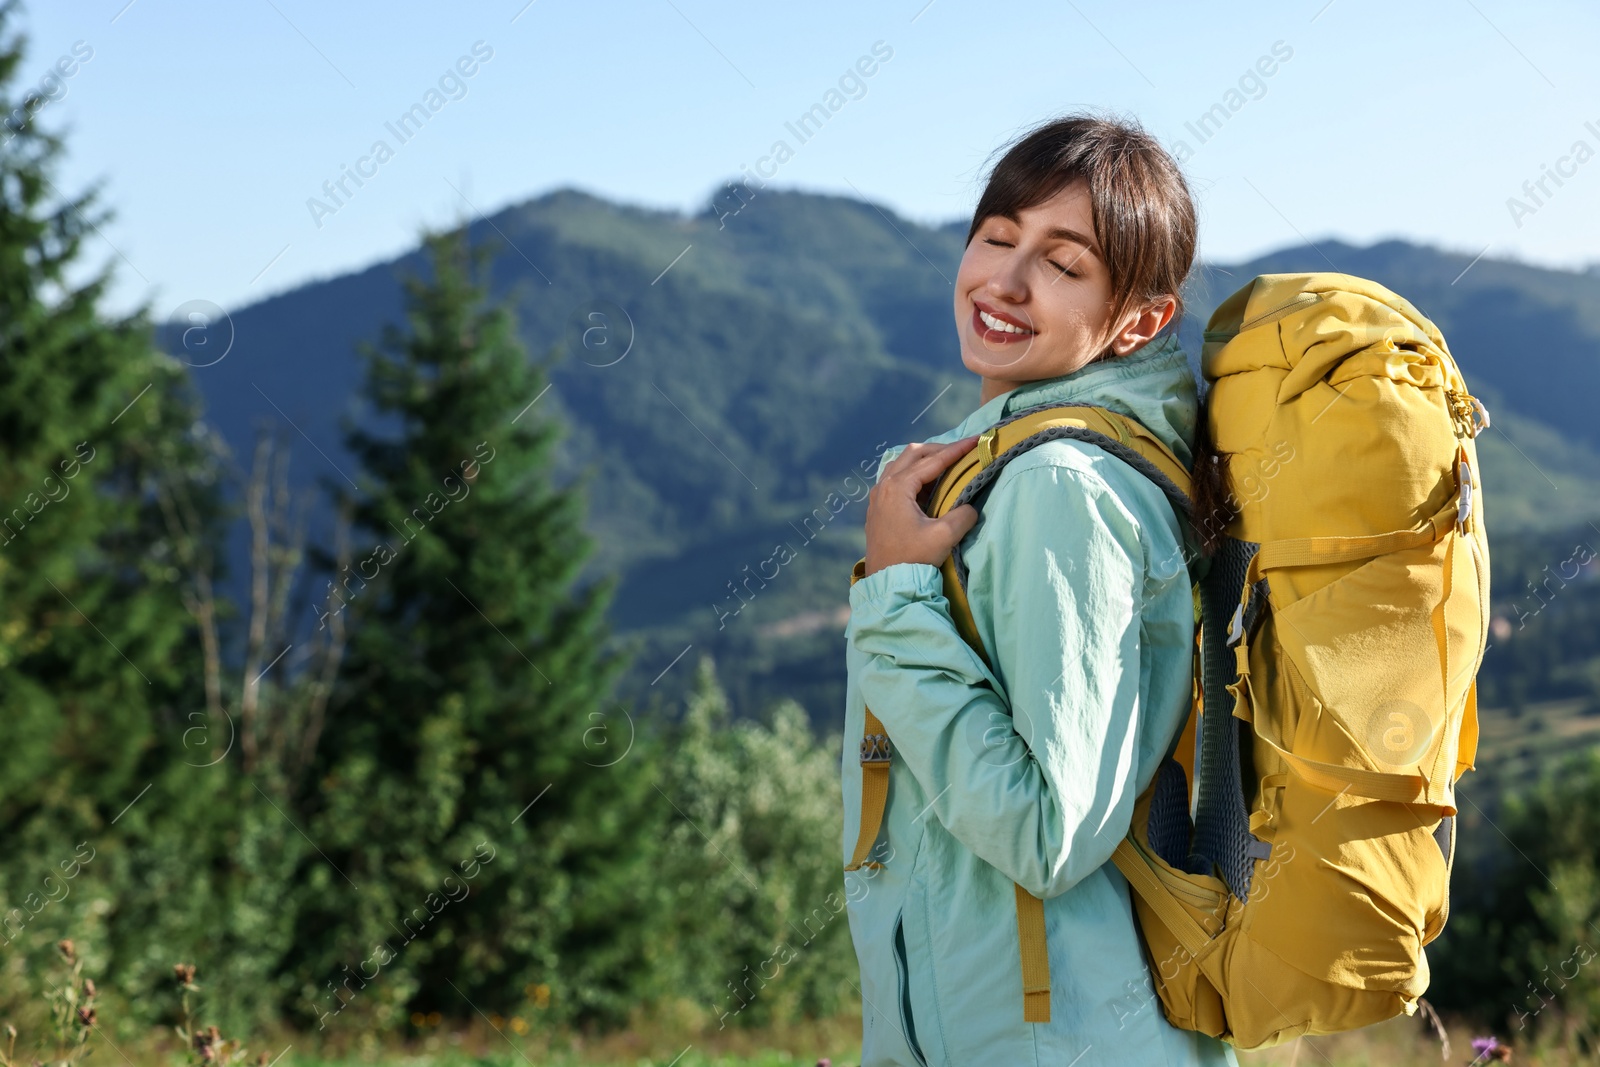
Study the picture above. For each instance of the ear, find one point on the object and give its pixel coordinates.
(1143, 325)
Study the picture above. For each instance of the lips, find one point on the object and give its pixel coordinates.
(993, 335)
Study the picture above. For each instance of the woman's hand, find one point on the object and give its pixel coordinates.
(898, 530)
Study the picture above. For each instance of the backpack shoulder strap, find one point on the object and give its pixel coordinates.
(969, 476)
(1124, 437)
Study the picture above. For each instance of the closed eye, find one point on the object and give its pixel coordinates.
(1053, 263)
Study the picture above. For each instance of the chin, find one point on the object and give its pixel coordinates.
(986, 370)
(1021, 370)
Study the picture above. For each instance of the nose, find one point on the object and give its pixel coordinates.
(1006, 282)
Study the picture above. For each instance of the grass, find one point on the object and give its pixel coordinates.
(1399, 1041)
(479, 1046)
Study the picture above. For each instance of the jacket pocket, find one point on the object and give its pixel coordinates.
(907, 1023)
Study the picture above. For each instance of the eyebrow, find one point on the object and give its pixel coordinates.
(1061, 233)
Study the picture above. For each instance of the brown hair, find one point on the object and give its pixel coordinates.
(1143, 215)
(1215, 506)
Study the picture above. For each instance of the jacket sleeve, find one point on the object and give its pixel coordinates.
(1032, 765)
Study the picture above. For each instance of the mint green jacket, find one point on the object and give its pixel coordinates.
(1027, 772)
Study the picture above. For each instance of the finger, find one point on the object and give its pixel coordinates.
(907, 456)
(960, 521)
(917, 450)
(928, 466)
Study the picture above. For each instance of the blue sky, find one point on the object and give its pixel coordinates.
(213, 126)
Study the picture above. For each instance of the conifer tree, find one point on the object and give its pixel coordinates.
(93, 635)
(96, 653)
(470, 749)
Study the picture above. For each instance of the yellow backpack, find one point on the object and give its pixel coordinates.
(1341, 626)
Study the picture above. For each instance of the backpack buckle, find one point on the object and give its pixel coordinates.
(1463, 494)
(875, 748)
(1480, 416)
(1236, 625)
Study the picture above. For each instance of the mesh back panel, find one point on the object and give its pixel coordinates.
(1222, 824)
(1169, 831)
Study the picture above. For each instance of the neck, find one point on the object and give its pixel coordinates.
(993, 387)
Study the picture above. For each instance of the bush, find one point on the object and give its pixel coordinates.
(1525, 925)
(750, 869)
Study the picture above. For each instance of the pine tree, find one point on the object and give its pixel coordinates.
(470, 749)
(96, 653)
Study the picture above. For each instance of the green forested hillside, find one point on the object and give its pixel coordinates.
(727, 379)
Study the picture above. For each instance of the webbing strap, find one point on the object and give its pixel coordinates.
(1444, 777)
(1441, 637)
(1311, 551)
(1136, 869)
(874, 795)
(1357, 781)
(874, 773)
(1467, 749)
(1035, 957)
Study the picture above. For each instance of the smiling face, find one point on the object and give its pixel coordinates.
(1033, 296)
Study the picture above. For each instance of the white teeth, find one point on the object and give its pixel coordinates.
(999, 324)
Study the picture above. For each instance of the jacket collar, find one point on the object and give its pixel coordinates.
(1153, 385)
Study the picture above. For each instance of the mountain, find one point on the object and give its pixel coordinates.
(728, 379)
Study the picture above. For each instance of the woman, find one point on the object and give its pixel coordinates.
(1027, 772)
